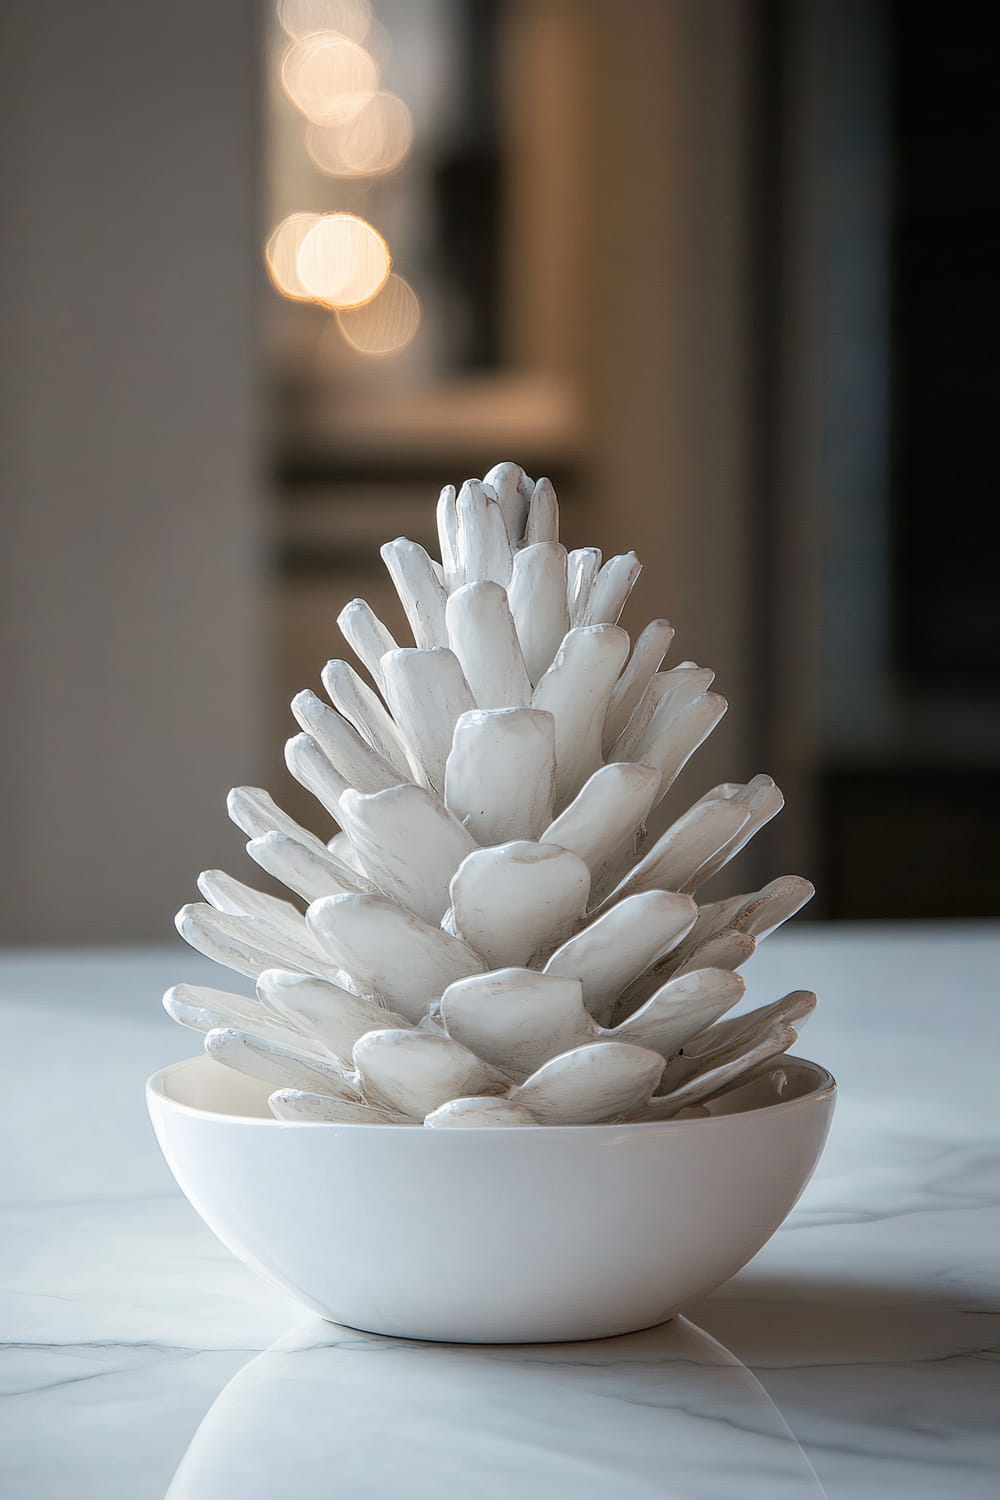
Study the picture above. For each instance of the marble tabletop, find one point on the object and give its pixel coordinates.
(856, 1356)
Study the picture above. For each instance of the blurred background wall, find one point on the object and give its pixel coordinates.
(719, 267)
(135, 644)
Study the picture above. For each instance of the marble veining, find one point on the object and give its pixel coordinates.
(856, 1357)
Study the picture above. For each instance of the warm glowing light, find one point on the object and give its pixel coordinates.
(352, 18)
(386, 324)
(374, 142)
(343, 261)
(281, 253)
(328, 77)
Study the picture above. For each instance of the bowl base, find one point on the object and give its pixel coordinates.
(527, 1340)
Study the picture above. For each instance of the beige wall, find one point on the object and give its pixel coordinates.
(128, 473)
(667, 307)
(629, 197)
(667, 323)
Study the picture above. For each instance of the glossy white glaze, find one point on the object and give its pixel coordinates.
(492, 1235)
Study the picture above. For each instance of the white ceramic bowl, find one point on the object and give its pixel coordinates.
(531, 1234)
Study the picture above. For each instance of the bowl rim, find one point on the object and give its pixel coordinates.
(824, 1089)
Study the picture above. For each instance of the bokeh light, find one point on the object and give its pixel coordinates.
(281, 254)
(352, 18)
(387, 323)
(328, 77)
(343, 261)
(373, 143)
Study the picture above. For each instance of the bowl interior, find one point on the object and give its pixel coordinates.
(204, 1085)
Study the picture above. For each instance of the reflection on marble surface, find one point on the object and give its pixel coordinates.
(626, 1417)
(871, 1320)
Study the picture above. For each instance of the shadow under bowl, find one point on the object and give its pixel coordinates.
(522, 1235)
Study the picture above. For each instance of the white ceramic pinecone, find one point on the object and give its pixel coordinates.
(485, 941)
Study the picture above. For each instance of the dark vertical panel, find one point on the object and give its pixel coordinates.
(945, 306)
(765, 188)
(469, 195)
